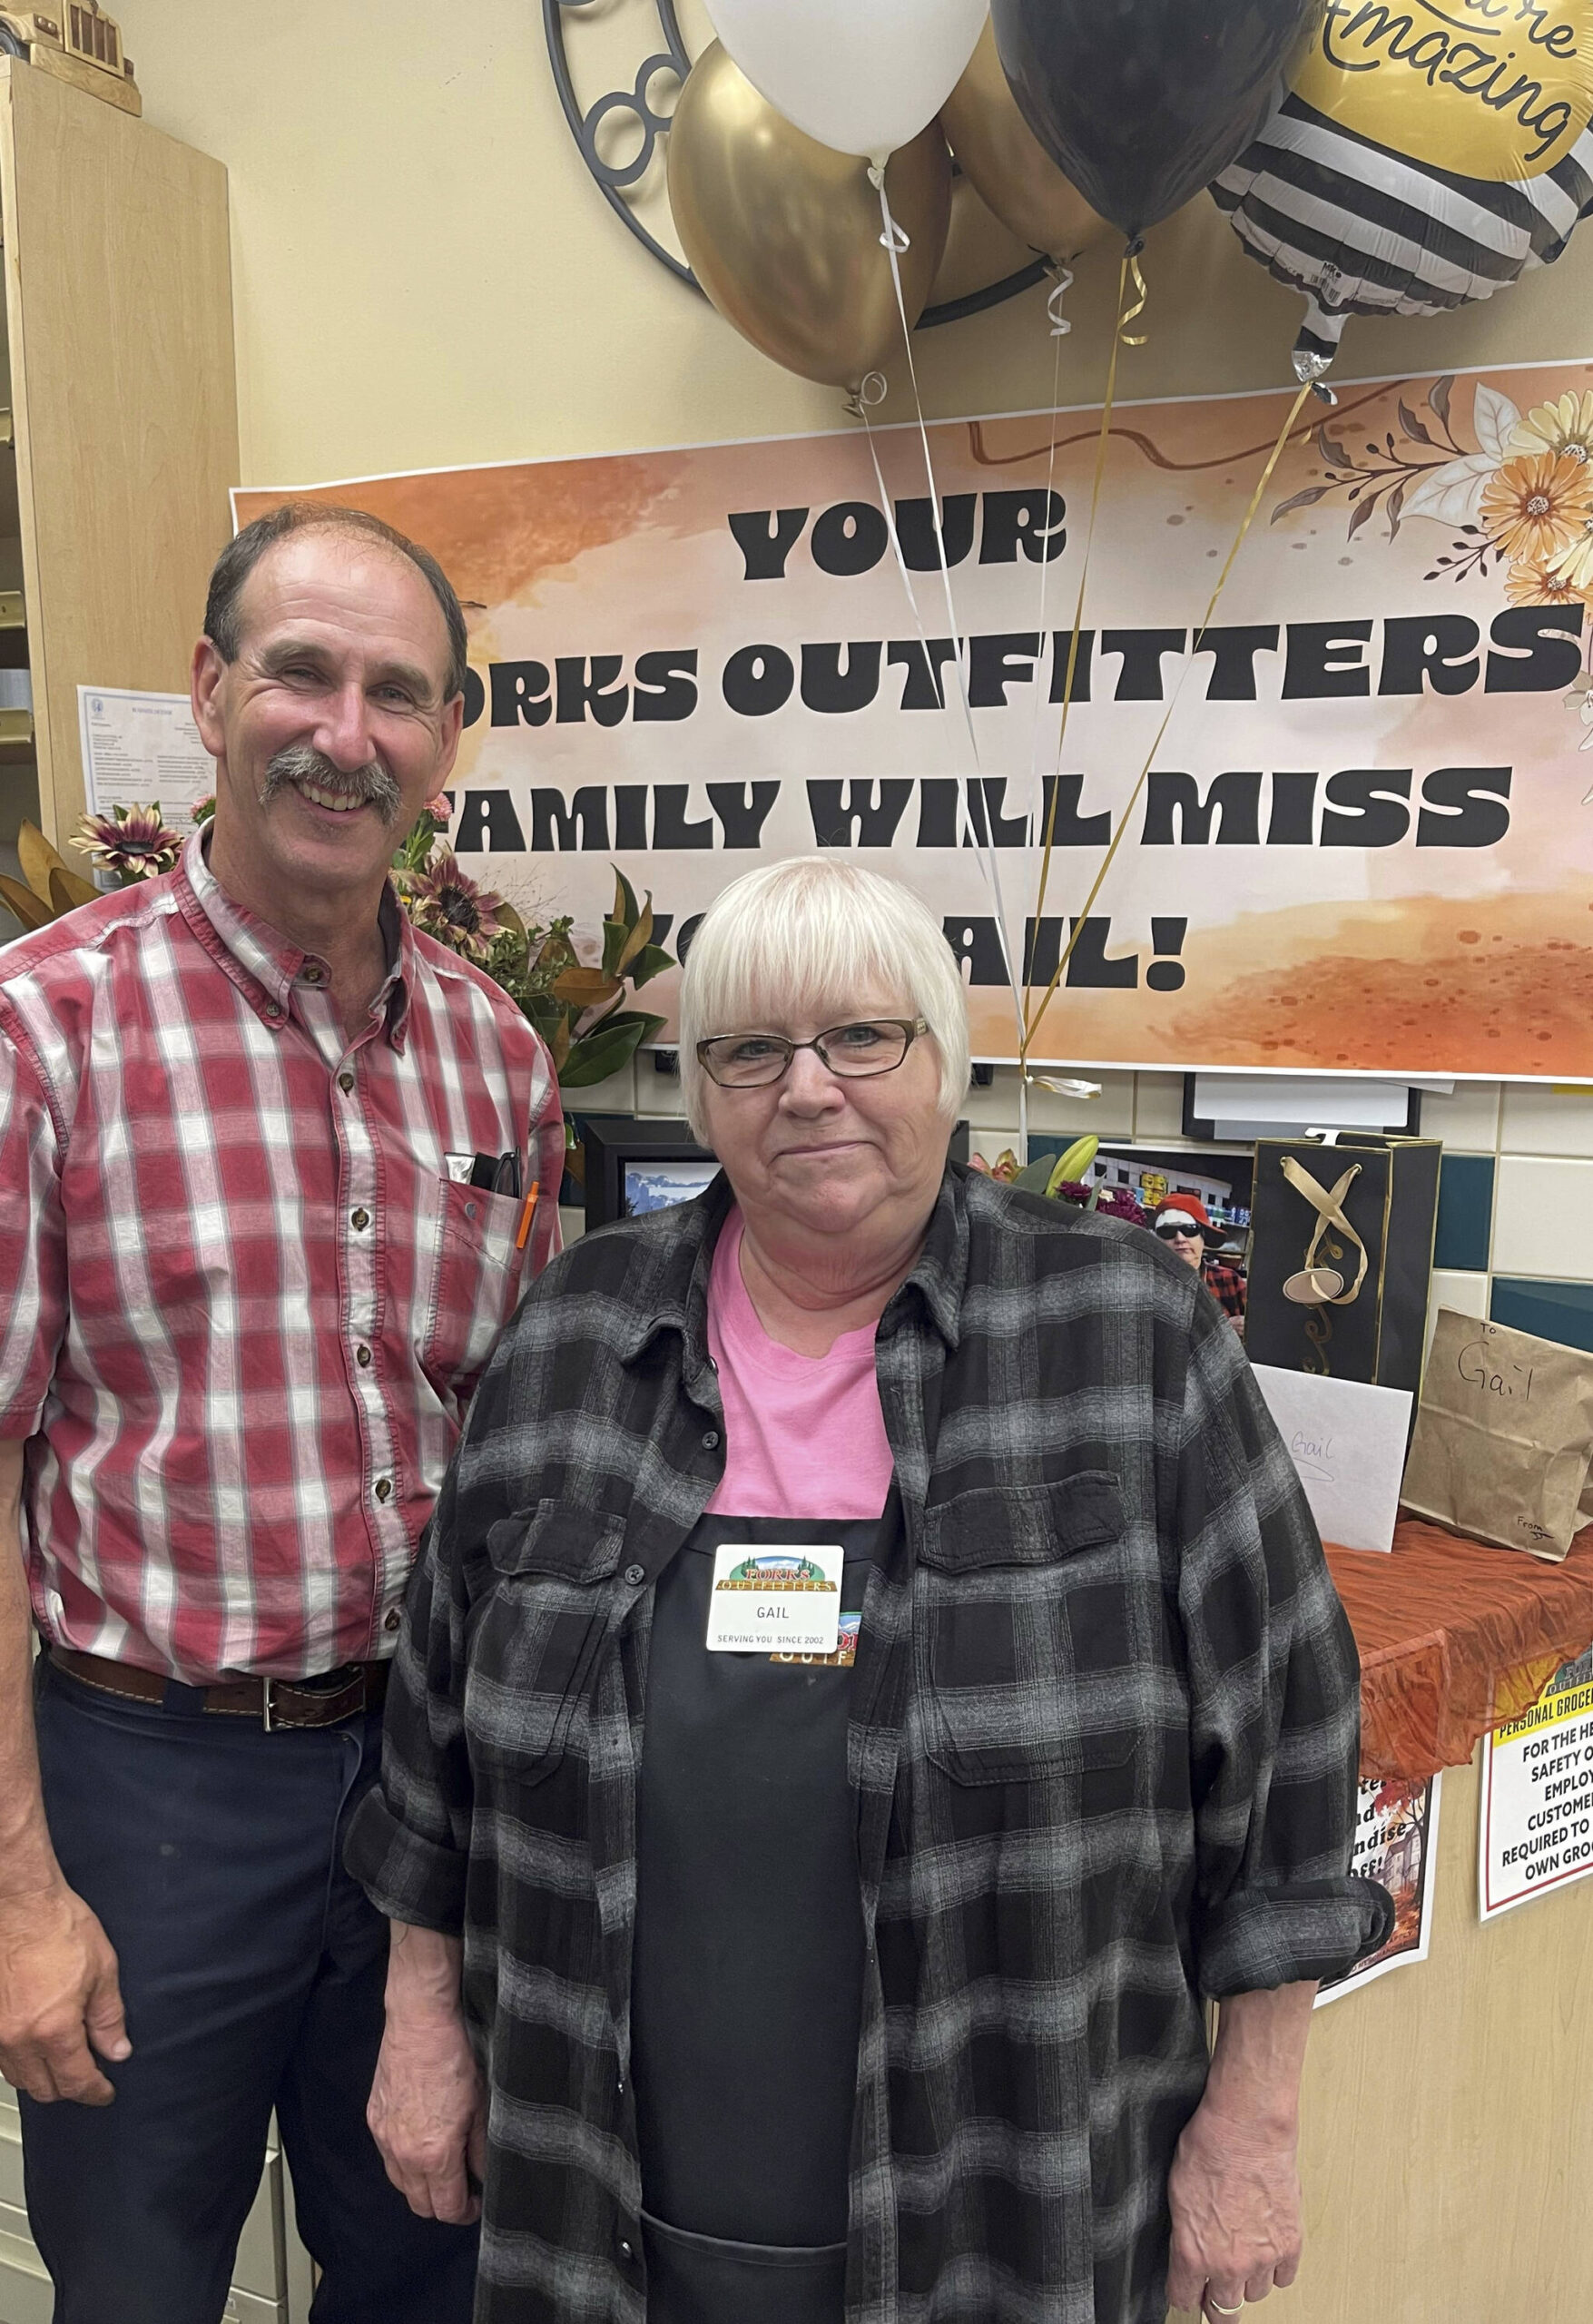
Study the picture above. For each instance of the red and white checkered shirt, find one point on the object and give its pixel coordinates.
(248, 1303)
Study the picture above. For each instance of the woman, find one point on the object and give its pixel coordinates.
(863, 1980)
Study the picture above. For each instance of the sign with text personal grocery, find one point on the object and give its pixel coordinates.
(1535, 1832)
(1362, 845)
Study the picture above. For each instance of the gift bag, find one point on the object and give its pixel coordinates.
(1504, 1436)
(1341, 1256)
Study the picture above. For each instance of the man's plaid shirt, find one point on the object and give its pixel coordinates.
(1103, 1751)
(246, 1304)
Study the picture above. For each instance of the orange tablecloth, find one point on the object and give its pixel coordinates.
(1455, 1639)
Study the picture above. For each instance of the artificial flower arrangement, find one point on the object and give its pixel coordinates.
(1062, 1180)
(579, 1010)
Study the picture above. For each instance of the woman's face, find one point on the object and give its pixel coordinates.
(833, 1156)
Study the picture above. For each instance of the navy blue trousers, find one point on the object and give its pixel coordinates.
(252, 1969)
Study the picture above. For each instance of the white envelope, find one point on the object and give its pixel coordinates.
(1348, 1442)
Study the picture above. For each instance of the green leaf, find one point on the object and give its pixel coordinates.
(614, 1045)
(1035, 1179)
(616, 937)
(624, 899)
(649, 961)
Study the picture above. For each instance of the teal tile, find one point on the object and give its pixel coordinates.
(1552, 1311)
(1465, 1211)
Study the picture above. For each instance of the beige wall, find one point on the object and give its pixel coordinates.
(424, 274)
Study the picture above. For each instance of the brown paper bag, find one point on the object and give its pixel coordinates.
(1504, 1436)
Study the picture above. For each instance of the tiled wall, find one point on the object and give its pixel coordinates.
(1515, 1230)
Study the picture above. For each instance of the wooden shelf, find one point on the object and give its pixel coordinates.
(11, 615)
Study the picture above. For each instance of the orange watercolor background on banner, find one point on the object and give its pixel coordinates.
(1468, 960)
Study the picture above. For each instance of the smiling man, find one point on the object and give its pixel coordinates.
(246, 1113)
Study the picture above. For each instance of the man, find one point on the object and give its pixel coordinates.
(1183, 1224)
(246, 1113)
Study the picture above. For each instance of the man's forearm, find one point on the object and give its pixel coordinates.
(424, 1971)
(1259, 2055)
(27, 1861)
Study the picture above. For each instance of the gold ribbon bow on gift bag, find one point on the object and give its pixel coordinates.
(1315, 1285)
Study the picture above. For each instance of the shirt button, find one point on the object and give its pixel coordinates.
(345, 1082)
(360, 1221)
(384, 1486)
(394, 1620)
(469, 1210)
(627, 2250)
(636, 1575)
(710, 1439)
(273, 1012)
(315, 975)
(362, 1355)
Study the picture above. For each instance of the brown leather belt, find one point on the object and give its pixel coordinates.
(273, 1702)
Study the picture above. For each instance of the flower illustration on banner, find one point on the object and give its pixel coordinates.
(132, 844)
(1521, 500)
(1536, 585)
(1565, 427)
(1534, 507)
(1573, 565)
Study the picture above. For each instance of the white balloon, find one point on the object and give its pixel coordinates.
(862, 76)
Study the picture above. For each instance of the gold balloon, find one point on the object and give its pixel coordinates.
(784, 233)
(1007, 165)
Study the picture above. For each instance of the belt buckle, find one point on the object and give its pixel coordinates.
(265, 1706)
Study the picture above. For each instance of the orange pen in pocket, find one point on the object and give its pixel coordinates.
(526, 1216)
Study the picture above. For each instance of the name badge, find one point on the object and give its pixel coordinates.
(781, 1602)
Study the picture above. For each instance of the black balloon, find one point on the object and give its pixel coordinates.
(1141, 102)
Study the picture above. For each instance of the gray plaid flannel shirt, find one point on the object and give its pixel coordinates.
(1103, 1752)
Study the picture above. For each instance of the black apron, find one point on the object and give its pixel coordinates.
(747, 1987)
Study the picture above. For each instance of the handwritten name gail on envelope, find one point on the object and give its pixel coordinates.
(1348, 1442)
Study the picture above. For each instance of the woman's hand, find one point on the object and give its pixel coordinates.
(1235, 2197)
(1233, 2191)
(427, 2110)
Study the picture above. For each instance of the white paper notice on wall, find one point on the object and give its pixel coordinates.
(1348, 1442)
(138, 748)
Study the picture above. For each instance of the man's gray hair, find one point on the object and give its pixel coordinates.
(244, 551)
(818, 937)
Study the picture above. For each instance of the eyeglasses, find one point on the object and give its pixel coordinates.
(1174, 1234)
(854, 1052)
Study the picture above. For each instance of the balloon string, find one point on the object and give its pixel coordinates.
(985, 847)
(1060, 327)
(1130, 339)
(1073, 641)
(1265, 478)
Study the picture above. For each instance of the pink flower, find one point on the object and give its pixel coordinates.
(449, 905)
(132, 843)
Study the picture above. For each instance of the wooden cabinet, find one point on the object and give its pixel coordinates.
(122, 413)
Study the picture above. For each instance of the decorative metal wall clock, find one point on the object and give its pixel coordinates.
(619, 132)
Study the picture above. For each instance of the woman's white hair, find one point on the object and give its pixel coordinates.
(818, 937)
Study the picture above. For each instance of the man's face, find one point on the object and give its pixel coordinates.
(330, 730)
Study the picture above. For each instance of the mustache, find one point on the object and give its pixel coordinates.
(298, 763)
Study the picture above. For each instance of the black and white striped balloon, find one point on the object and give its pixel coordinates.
(1363, 229)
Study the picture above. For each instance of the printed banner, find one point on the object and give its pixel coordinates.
(1396, 1843)
(1362, 845)
(1536, 1829)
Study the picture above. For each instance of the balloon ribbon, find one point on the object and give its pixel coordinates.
(1273, 457)
(1125, 313)
(893, 242)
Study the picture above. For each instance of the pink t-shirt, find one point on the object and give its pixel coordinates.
(804, 1435)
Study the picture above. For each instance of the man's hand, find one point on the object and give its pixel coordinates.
(59, 1997)
(427, 2113)
(1235, 2197)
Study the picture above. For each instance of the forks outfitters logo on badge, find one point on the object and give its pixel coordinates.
(785, 1600)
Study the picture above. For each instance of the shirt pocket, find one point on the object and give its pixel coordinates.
(1023, 1632)
(476, 1285)
(535, 1636)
